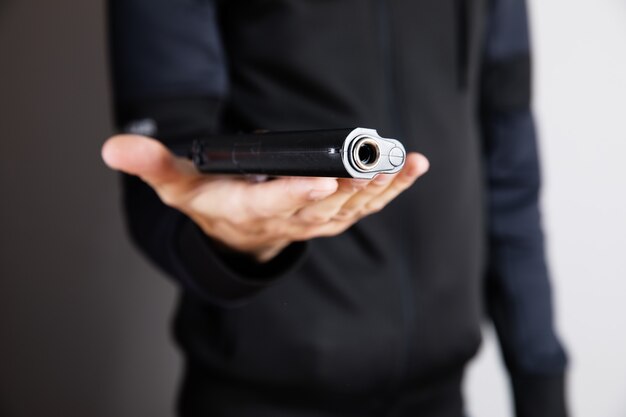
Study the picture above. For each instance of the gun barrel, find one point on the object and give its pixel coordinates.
(356, 153)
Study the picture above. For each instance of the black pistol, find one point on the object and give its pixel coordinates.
(355, 153)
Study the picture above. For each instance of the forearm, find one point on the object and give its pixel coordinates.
(518, 288)
(174, 243)
(172, 240)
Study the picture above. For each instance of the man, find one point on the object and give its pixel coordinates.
(324, 297)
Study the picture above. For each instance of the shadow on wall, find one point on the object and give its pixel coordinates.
(4, 4)
(83, 319)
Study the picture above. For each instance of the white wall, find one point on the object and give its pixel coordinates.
(580, 74)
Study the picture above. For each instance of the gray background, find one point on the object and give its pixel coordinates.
(580, 74)
(84, 320)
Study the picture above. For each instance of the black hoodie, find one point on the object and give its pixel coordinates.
(381, 319)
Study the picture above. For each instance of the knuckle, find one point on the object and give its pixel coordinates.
(300, 235)
(330, 230)
(236, 241)
(162, 159)
(278, 230)
(400, 186)
(248, 211)
(259, 212)
(352, 186)
(345, 215)
(328, 233)
(291, 193)
(271, 230)
(336, 229)
(374, 207)
(246, 241)
(315, 217)
(306, 233)
(169, 198)
(239, 219)
(243, 208)
(382, 180)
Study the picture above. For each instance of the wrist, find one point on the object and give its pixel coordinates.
(266, 254)
(226, 242)
(539, 395)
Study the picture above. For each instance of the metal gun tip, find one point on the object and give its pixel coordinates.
(396, 157)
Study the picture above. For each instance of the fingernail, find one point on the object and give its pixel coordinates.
(422, 167)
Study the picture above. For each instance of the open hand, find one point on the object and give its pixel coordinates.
(259, 219)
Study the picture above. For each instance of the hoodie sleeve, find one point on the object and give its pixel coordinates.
(518, 290)
(170, 79)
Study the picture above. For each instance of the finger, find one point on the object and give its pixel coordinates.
(416, 165)
(352, 207)
(284, 196)
(148, 159)
(323, 210)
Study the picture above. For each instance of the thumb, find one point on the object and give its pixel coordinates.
(146, 158)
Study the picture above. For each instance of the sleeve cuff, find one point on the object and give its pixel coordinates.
(539, 395)
(228, 279)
